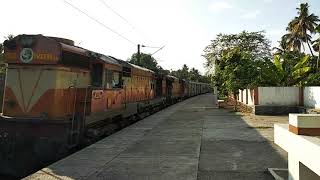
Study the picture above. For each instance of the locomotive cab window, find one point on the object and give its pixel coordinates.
(116, 80)
(108, 79)
(112, 79)
(96, 75)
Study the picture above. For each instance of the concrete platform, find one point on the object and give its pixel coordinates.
(190, 140)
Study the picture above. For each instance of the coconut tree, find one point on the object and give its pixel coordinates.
(303, 24)
(1, 52)
(291, 42)
(316, 45)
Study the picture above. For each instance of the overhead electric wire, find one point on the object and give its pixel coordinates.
(107, 6)
(124, 19)
(158, 50)
(97, 21)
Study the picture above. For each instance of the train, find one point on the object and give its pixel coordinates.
(57, 95)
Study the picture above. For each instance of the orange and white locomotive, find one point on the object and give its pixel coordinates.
(56, 94)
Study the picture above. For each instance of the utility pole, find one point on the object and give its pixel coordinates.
(138, 54)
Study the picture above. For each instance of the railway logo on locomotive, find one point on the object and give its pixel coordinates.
(26, 55)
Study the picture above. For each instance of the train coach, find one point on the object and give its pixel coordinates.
(57, 96)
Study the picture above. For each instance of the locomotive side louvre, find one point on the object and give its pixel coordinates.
(164, 86)
(170, 86)
(143, 86)
(158, 85)
(182, 89)
(176, 88)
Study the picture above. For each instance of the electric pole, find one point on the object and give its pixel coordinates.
(138, 54)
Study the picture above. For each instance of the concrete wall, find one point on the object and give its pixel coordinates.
(244, 92)
(311, 97)
(285, 96)
(250, 97)
(246, 96)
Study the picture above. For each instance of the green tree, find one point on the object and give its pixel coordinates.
(250, 47)
(303, 25)
(253, 43)
(194, 74)
(205, 79)
(1, 53)
(236, 71)
(283, 45)
(182, 73)
(290, 72)
(146, 61)
(291, 42)
(185, 72)
(312, 80)
(9, 37)
(316, 46)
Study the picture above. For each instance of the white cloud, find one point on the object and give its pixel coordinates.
(220, 6)
(251, 15)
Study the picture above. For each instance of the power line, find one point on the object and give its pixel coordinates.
(158, 50)
(123, 18)
(107, 6)
(97, 21)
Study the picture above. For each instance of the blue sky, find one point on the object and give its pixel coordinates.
(184, 26)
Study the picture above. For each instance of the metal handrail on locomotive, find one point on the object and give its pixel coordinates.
(57, 94)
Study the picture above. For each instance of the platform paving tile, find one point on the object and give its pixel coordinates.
(234, 175)
(238, 155)
(100, 149)
(164, 129)
(76, 166)
(173, 136)
(152, 168)
(235, 134)
(163, 148)
(218, 122)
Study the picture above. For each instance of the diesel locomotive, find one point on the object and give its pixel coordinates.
(57, 95)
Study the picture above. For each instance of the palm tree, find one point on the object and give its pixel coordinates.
(303, 24)
(1, 53)
(1, 48)
(291, 42)
(316, 45)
